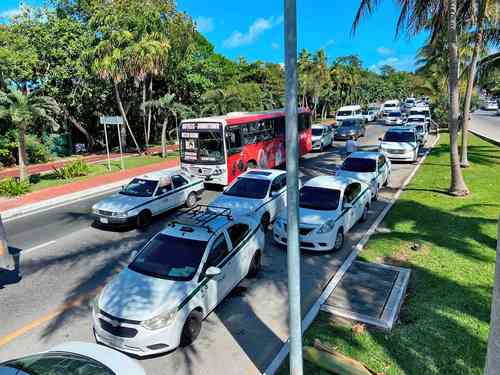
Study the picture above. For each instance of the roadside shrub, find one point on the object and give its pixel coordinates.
(36, 151)
(12, 188)
(74, 169)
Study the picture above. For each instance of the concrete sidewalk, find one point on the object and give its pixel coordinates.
(93, 158)
(74, 190)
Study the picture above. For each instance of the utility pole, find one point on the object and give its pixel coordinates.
(292, 185)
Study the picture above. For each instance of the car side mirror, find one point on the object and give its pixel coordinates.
(132, 256)
(212, 272)
(274, 193)
(380, 139)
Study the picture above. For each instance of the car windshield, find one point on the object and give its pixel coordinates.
(353, 164)
(317, 131)
(416, 119)
(395, 114)
(248, 188)
(56, 363)
(344, 113)
(399, 137)
(390, 105)
(316, 198)
(140, 188)
(202, 146)
(348, 125)
(168, 257)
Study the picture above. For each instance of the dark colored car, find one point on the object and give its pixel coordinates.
(350, 128)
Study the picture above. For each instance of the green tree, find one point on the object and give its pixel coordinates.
(22, 110)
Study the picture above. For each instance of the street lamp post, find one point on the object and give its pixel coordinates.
(292, 185)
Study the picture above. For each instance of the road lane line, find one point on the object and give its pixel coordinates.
(4, 340)
(38, 247)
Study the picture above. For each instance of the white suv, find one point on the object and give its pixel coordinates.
(159, 300)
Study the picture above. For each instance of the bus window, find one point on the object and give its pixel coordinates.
(233, 140)
(279, 126)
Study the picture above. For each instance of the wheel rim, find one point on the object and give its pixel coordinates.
(193, 327)
(191, 200)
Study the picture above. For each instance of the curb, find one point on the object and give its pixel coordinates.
(332, 284)
(63, 200)
(485, 137)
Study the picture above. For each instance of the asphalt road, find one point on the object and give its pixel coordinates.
(65, 261)
(486, 123)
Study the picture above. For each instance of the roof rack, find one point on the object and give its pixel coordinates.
(201, 216)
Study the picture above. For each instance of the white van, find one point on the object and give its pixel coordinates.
(390, 106)
(349, 112)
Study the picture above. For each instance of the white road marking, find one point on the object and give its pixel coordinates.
(38, 247)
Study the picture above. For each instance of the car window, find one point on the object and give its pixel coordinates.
(164, 189)
(237, 233)
(178, 181)
(278, 183)
(351, 192)
(57, 363)
(316, 198)
(218, 251)
(248, 188)
(363, 165)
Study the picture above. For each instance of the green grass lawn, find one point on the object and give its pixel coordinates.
(444, 321)
(48, 180)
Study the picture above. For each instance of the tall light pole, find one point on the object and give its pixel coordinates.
(292, 185)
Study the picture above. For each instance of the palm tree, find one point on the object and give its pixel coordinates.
(22, 110)
(415, 16)
(166, 108)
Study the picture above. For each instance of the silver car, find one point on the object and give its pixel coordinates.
(322, 136)
(74, 358)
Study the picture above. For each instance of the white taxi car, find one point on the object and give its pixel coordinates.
(322, 137)
(329, 207)
(147, 196)
(400, 143)
(158, 302)
(258, 192)
(394, 118)
(371, 167)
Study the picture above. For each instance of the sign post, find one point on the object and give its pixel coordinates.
(118, 121)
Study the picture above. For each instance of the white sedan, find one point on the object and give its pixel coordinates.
(73, 358)
(400, 143)
(159, 301)
(147, 196)
(329, 208)
(257, 192)
(371, 167)
(393, 118)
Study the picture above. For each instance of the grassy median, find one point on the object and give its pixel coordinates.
(49, 180)
(443, 327)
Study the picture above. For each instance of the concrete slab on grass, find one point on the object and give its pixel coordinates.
(370, 293)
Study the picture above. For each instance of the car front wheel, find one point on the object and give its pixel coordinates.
(255, 265)
(144, 219)
(192, 328)
(339, 240)
(191, 200)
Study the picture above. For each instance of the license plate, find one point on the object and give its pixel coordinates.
(104, 220)
(114, 342)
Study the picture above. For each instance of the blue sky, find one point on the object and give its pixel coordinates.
(254, 29)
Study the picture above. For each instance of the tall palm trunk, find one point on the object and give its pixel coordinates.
(23, 172)
(464, 160)
(124, 114)
(493, 354)
(164, 138)
(150, 96)
(144, 112)
(457, 186)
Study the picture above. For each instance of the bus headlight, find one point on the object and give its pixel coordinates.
(217, 172)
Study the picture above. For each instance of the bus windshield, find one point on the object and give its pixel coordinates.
(201, 147)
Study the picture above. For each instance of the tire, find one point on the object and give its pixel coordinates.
(364, 217)
(144, 219)
(191, 200)
(386, 182)
(339, 240)
(255, 265)
(375, 197)
(264, 221)
(192, 328)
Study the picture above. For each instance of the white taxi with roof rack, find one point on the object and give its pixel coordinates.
(329, 207)
(146, 196)
(257, 192)
(159, 300)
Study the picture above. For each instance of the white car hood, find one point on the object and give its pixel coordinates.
(238, 206)
(134, 296)
(361, 176)
(120, 202)
(119, 363)
(398, 145)
(312, 217)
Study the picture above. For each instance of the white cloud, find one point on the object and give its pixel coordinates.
(204, 24)
(384, 51)
(406, 63)
(237, 38)
(275, 45)
(11, 13)
(328, 43)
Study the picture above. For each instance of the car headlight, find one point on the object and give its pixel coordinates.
(120, 214)
(327, 227)
(95, 210)
(161, 321)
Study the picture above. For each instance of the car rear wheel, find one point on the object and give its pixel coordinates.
(191, 200)
(339, 240)
(192, 328)
(143, 219)
(255, 265)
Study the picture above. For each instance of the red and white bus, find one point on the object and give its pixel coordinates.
(218, 149)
